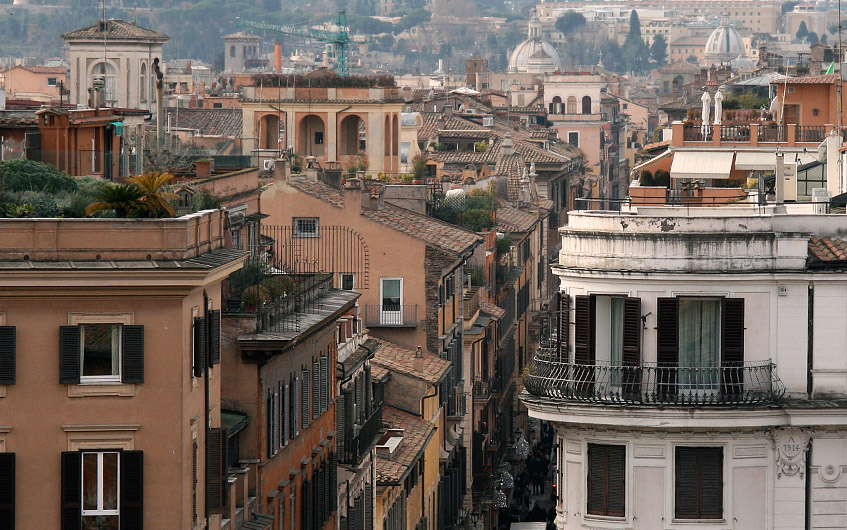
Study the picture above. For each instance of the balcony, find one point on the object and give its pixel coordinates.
(356, 447)
(471, 302)
(481, 390)
(749, 134)
(391, 316)
(747, 383)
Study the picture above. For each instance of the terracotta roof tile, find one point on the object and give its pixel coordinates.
(513, 220)
(399, 359)
(116, 29)
(823, 79)
(491, 309)
(424, 228)
(828, 250)
(391, 469)
(318, 190)
(379, 373)
(209, 122)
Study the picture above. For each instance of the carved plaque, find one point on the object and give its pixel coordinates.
(791, 446)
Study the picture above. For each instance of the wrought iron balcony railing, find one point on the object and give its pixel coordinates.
(745, 383)
(391, 316)
(355, 447)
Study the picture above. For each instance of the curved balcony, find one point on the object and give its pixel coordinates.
(747, 383)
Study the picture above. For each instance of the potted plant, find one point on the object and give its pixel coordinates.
(255, 296)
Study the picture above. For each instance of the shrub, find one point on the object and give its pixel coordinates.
(255, 295)
(477, 219)
(28, 175)
(277, 286)
(504, 245)
(662, 178)
(646, 178)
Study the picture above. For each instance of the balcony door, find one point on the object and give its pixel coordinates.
(609, 339)
(699, 345)
(391, 301)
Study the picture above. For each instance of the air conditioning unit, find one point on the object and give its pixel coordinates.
(268, 164)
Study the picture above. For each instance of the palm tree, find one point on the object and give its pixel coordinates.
(155, 200)
(122, 198)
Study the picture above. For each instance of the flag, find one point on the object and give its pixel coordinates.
(831, 69)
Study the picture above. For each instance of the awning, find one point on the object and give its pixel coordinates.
(701, 165)
(233, 421)
(758, 161)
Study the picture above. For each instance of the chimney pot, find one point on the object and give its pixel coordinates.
(419, 360)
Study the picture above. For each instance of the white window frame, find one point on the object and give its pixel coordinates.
(298, 232)
(390, 317)
(100, 510)
(117, 343)
(341, 281)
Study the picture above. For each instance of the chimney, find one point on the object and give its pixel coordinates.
(353, 196)
(448, 110)
(278, 57)
(508, 146)
(2, 99)
(188, 67)
(419, 360)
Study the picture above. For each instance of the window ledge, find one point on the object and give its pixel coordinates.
(101, 389)
(606, 518)
(716, 522)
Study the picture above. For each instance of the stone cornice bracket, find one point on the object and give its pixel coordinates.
(790, 447)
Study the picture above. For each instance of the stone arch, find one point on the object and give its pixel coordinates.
(311, 137)
(111, 81)
(395, 136)
(571, 105)
(586, 104)
(143, 82)
(349, 135)
(269, 128)
(387, 136)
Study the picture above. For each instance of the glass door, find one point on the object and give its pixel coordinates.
(391, 301)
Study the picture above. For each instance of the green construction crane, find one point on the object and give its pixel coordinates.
(340, 38)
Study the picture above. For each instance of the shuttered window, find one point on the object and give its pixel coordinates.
(214, 337)
(305, 394)
(606, 480)
(325, 378)
(199, 363)
(269, 407)
(564, 326)
(584, 329)
(130, 479)
(285, 412)
(105, 352)
(316, 389)
(698, 492)
(216, 468)
(7, 491)
(7, 357)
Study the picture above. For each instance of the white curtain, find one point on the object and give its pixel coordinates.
(616, 346)
(699, 343)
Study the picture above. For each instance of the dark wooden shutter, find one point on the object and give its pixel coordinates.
(631, 346)
(7, 491)
(214, 446)
(132, 490)
(304, 404)
(316, 389)
(686, 483)
(616, 477)
(69, 355)
(667, 344)
(711, 483)
(732, 348)
(199, 346)
(564, 325)
(597, 460)
(7, 355)
(306, 505)
(132, 360)
(584, 329)
(71, 490)
(215, 337)
(224, 468)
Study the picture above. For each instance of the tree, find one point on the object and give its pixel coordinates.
(570, 22)
(824, 38)
(691, 59)
(120, 198)
(155, 200)
(788, 6)
(802, 31)
(634, 28)
(659, 50)
(28, 175)
(812, 38)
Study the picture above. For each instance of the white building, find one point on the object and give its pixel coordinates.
(701, 380)
(122, 52)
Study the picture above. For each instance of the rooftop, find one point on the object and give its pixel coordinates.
(416, 433)
(399, 359)
(208, 122)
(115, 29)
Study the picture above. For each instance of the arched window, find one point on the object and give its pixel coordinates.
(571, 105)
(111, 77)
(143, 83)
(232, 51)
(556, 105)
(586, 105)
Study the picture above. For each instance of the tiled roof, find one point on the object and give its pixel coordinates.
(379, 373)
(424, 228)
(828, 250)
(208, 122)
(823, 79)
(491, 309)
(513, 220)
(43, 69)
(398, 359)
(115, 29)
(391, 469)
(319, 190)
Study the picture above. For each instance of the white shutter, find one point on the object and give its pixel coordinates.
(324, 383)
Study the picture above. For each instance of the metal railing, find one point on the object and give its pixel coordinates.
(287, 312)
(772, 133)
(391, 316)
(697, 133)
(744, 383)
(735, 133)
(355, 447)
(811, 133)
(471, 302)
(481, 389)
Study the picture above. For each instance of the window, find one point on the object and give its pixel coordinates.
(698, 491)
(102, 489)
(319, 138)
(7, 490)
(100, 351)
(52, 81)
(232, 51)
(573, 138)
(586, 105)
(217, 105)
(391, 301)
(306, 226)
(606, 480)
(348, 281)
(571, 106)
(100, 496)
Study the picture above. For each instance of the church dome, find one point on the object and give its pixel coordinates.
(522, 56)
(724, 44)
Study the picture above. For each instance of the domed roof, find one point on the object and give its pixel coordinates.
(520, 58)
(724, 44)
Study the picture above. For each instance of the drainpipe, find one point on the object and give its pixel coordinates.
(810, 353)
(206, 417)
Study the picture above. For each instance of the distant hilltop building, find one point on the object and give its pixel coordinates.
(724, 44)
(535, 55)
